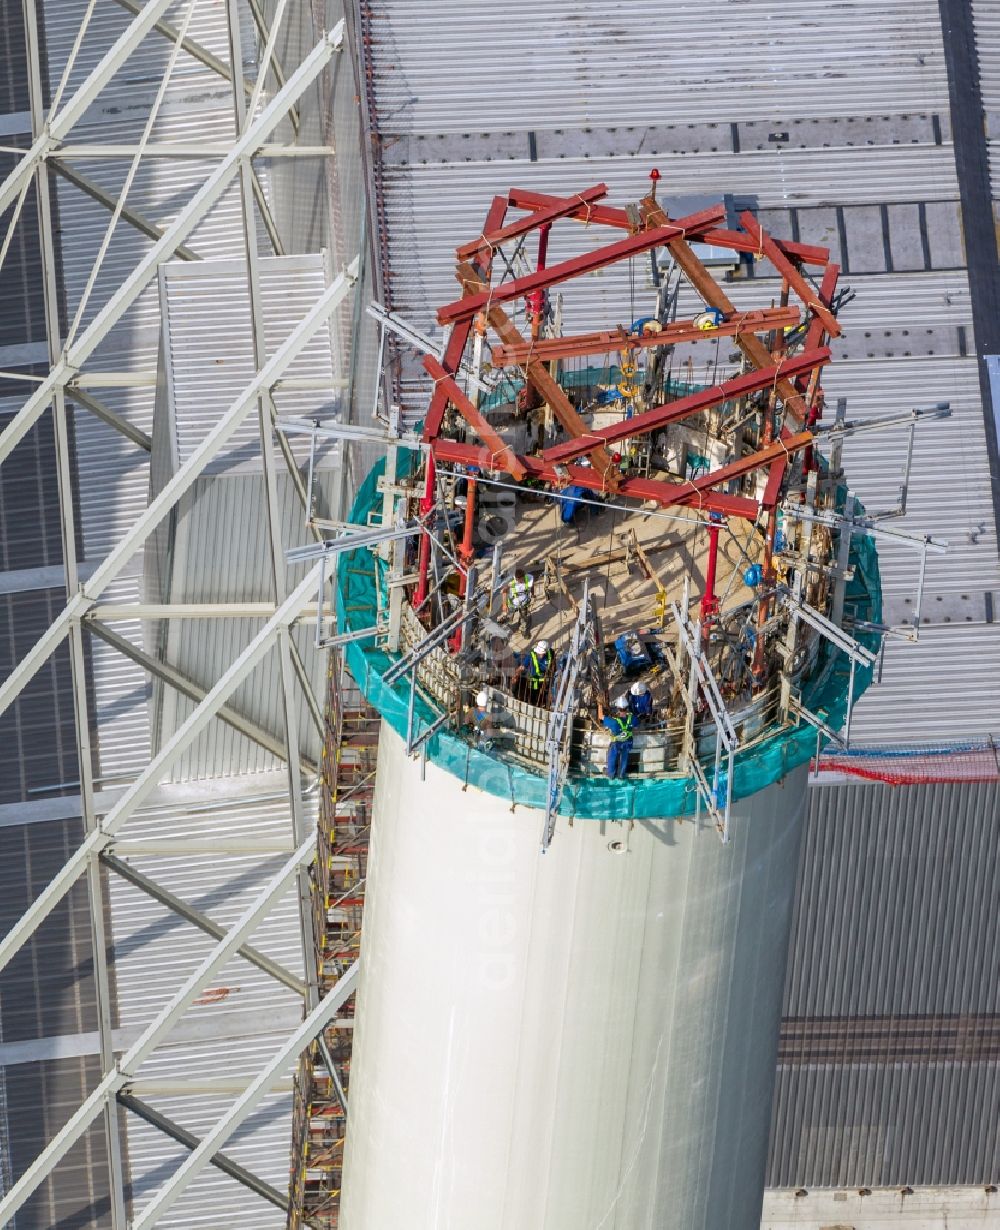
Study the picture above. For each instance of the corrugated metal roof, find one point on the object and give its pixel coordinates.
(209, 350)
(890, 1072)
(942, 688)
(456, 67)
(878, 189)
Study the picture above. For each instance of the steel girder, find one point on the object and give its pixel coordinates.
(791, 379)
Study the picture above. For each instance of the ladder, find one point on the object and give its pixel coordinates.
(319, 1121)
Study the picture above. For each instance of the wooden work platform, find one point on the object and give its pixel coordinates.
(611, 549)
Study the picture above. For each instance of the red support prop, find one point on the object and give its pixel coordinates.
(542, 279)
(424, 558)
(466, 554)
(709, 601)
(684, 407)
(465, 551)
(535, 302)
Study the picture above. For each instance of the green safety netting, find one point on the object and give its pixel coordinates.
(587, 797)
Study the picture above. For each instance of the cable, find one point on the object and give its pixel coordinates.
(555, 495)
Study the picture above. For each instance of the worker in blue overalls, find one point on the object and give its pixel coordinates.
(640, 702)
(621, 724)
(536, 669)
(482, 720)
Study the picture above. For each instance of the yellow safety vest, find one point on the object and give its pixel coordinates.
(539, 667)
(519, 594)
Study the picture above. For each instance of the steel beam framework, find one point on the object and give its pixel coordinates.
(62, 132)
(788, 380)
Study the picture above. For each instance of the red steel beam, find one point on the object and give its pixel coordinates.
(606, 215)
(555, 396)
(491, 239)
(713, 294)
(684, 407)
(450, 363)
(547, 349)
(808, 253)
(460, 333)
(815, 335)
(788, 270)
(504, 456)
(541, 279)
(769, 497)
(661, 492)
(776, 453)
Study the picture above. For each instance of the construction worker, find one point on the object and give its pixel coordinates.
(482, 718)
(536, 670)
(640, 702)
(621, 724)
(573, 496)
(518, 598)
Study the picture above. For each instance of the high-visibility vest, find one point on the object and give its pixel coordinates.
(624, 727)
(519, 592)
(539, 667)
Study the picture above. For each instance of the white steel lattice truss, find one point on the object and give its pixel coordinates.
(259, 107)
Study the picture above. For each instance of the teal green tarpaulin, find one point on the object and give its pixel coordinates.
(594, 797)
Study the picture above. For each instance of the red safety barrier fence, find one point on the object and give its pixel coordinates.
(975, 760)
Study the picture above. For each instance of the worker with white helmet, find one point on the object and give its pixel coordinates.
(622, 726)
(517, 600)
(536, 669)
(482, 717)
(640, 702)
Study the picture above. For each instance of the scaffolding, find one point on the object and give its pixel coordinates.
(322, 1082)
